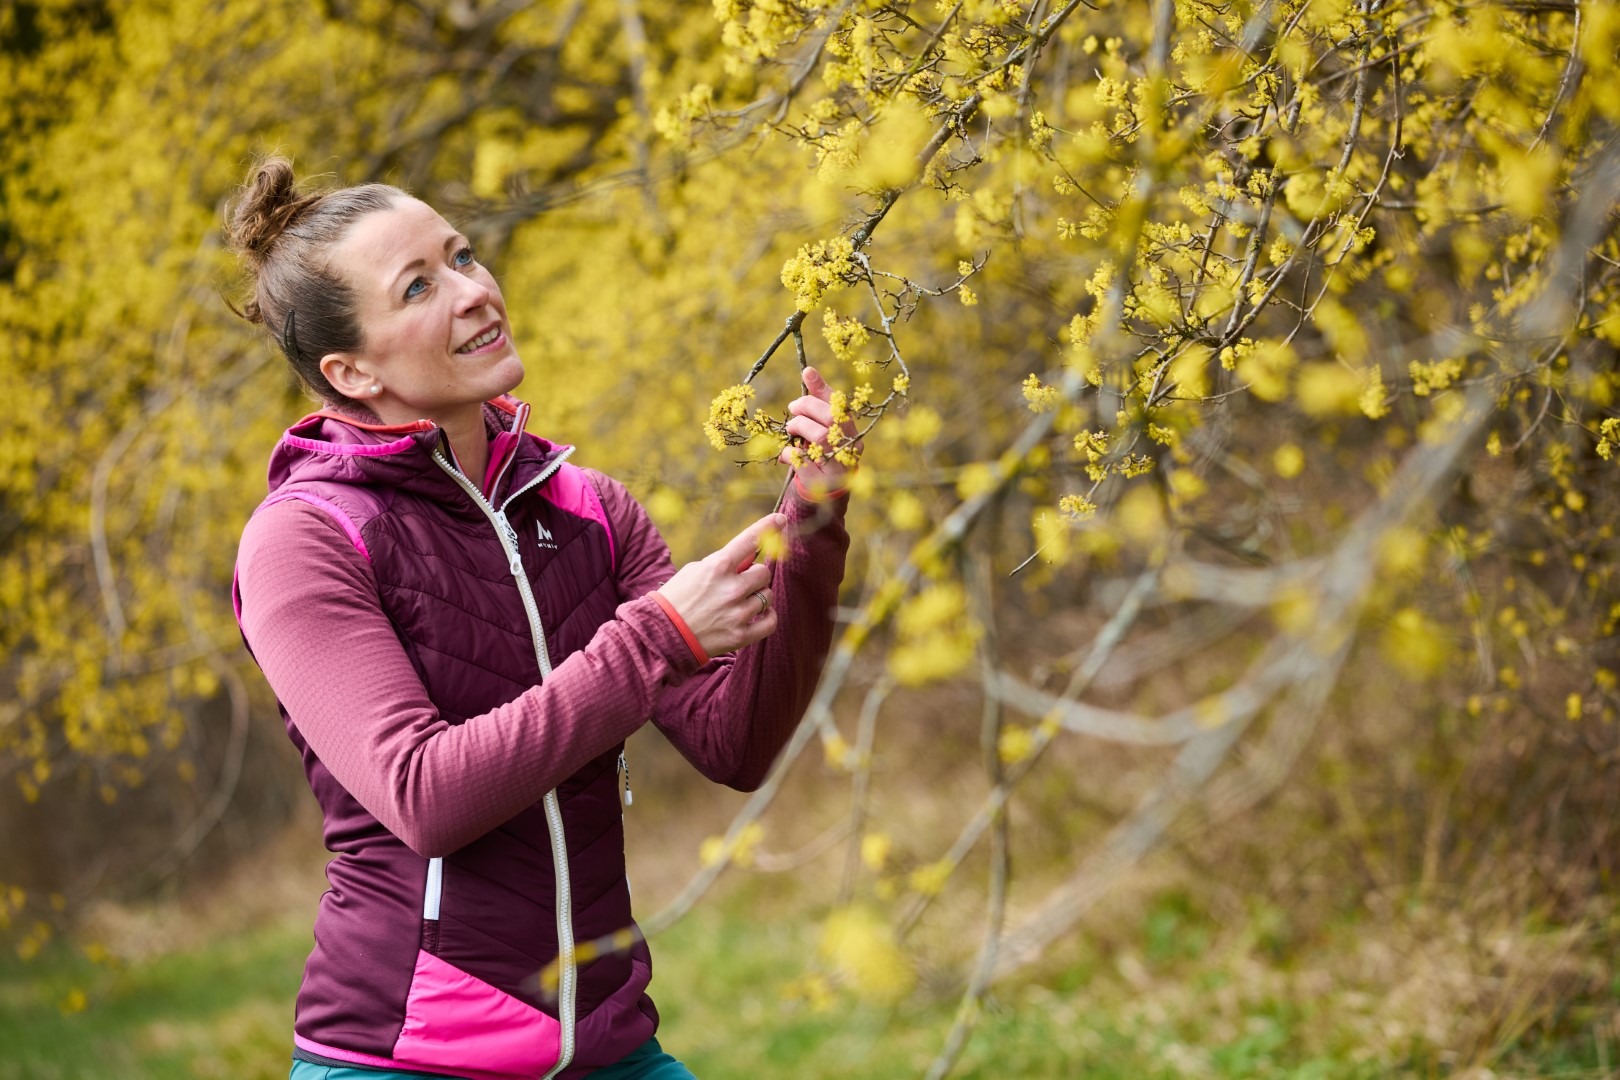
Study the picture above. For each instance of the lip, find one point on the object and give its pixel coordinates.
(500, 339)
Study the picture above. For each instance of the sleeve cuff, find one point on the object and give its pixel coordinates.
(824, 497)
(685, 631)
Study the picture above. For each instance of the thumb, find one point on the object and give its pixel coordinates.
(815, 385)
(740, 549)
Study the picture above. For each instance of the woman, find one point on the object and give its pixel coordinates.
(462, 628)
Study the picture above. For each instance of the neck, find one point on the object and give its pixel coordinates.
(464, 428)
(469, 441)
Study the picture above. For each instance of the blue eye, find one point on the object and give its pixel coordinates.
(415, 288)
(465, 257)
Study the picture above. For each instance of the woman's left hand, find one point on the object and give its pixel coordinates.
(810, 422)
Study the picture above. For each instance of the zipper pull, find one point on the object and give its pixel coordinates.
(509, 540)
(624, 771)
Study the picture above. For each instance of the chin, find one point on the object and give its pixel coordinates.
(508, 376)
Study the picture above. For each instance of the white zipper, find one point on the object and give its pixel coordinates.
(433, 890)
(568, 976)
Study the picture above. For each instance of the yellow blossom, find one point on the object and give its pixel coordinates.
(727, 414)
(1015, 744)
(816, 268)
(861, 948)
(1041, 397)
(875, 849)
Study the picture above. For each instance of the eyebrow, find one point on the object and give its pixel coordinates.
(449, 242)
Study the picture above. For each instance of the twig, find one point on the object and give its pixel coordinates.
(1572, 72)
(1107, 640)
(772, 863)
(861, 785)
(967, 1010)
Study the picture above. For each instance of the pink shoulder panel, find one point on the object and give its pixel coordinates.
(332, 509)
(327, 506)
(572, 491)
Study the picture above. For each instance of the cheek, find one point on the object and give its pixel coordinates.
(487, 279)
(410, 347)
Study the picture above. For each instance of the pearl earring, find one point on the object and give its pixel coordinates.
(376, 388)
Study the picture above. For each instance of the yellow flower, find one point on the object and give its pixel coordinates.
(1608, 438)
(1435, 375)
(843, 335)
(716, 849)
(930, 878)
(875, 850)
(1041, 397)
(861, 948)
(1288, 460)
(1415, 645)
(1015, 744)
(818, 267)
(727, 414)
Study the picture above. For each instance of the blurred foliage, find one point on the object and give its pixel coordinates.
(1300, 316)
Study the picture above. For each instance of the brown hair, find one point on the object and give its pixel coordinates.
(281, 233)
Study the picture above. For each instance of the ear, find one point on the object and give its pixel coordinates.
(348, 374)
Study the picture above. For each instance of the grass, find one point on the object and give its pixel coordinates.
(222, 1009)
(725, 985)
(1178, 997)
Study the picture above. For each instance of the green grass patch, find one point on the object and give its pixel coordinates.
(730, 989)
(221, 1010)
(731, 981)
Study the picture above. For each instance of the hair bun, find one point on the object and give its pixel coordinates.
(282, 235)
(270, 202)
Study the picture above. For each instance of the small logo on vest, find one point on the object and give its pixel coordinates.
(546, 539)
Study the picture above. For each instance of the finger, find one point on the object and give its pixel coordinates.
(745, 545)
(755, 603)
(815, 385)
(807, 429)
(803, 461)
(753, 579)
(814, 408)
(761, 628)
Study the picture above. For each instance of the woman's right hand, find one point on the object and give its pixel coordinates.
(725, 598)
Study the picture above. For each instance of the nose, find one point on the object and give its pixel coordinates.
(473, 295)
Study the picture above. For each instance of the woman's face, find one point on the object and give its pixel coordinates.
(437, 341)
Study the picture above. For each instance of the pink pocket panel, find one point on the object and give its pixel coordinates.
(455, 1023)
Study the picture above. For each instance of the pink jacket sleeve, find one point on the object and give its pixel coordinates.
(313, 619)
(732, 718)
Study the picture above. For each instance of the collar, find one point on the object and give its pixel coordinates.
(338, 436)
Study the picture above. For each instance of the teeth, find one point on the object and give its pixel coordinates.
(481, 340)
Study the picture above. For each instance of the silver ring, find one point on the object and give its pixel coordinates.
(764, 601)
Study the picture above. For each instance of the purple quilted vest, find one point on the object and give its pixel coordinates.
(431, 965)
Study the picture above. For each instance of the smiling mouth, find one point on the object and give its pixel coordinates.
(488, 337)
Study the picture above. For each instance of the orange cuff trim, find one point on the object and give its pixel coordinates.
(804, 492)
(686, 631)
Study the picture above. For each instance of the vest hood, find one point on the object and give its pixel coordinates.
(331, 446)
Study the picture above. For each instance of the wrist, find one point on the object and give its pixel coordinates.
(685, 631)
(822, 488)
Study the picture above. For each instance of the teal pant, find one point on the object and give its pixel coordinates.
(648, 1062)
